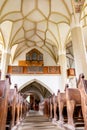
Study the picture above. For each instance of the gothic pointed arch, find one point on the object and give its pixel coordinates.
(36, 85)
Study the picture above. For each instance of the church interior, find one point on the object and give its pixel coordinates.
(43, 64)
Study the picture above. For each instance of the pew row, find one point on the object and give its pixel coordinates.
(17, 108)
(44, 107)
(73, 99)
(57, 104)
(4, 92)
(54, 103)
(82, 86)
(69, 105)
(11, 109)
(61, 97)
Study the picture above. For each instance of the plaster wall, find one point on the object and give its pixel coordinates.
(51, 82)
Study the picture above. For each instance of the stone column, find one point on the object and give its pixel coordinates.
(79, 48)
(4, 63)
(6, 29)
(63, 65)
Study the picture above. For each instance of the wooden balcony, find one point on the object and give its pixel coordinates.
(34, 70)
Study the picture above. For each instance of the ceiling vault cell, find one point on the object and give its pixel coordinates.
(40, 23)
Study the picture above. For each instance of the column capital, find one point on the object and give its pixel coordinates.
(78, 4)
(75, 21)
(77, 7)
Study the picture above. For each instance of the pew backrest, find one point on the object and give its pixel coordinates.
(12, 94)
(73, 94)
(2, 88)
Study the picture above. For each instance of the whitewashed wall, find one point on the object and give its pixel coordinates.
(51, 82)
(48, 60)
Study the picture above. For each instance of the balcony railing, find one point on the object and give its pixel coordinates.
(34, 69)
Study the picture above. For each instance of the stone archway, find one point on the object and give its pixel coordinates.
(38, 82)
(37, 91)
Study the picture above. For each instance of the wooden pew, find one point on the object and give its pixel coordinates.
(54, 108)
(50, 108)
(0, 74)
(44, 107)
(17, 108)
(4, 92)
(82, 86)
(11, 108)
(73, 99)
(21, 107)
(61, 97)
(24, 107)
(41, 107)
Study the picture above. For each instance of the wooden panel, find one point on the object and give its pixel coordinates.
(34, 69)
(45, 70)
(15, 69)
(22, 63)
(30, 63)
(9, 69)
(54, 70)
(34, 63)
(71, 72)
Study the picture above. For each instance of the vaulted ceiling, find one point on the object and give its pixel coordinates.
(37, 89)
(39, 23)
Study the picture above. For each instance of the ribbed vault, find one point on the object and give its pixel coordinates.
(37, 89)
(38, 23)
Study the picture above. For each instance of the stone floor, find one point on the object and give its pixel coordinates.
(35, 121)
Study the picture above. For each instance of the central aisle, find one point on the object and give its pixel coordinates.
(35, 121)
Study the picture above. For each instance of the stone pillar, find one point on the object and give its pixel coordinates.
(63, 64)
(4, 63)
(6, 29)
(79, 49)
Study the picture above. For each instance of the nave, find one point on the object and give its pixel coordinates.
(35, 121)
(15, 111)
(43, 47)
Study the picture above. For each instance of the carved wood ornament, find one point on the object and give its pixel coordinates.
(78, 4)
